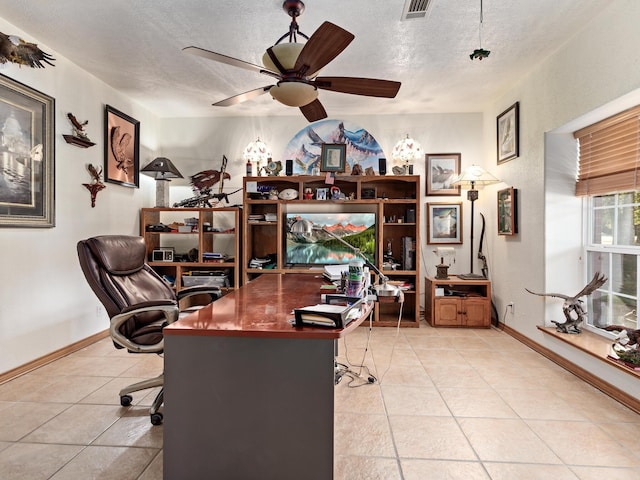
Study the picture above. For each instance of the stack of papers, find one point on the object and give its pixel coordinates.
(334, 272)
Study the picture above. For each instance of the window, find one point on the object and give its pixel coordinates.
(613, 248)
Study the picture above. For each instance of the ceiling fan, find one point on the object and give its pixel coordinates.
(295, 66)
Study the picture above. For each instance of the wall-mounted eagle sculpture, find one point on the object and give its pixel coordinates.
(16, 50)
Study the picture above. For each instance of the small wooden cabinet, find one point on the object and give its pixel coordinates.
(210, 246)
(455, 302)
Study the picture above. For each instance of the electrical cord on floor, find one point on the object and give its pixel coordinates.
(395, 341)
(504, 318)
(342, 370)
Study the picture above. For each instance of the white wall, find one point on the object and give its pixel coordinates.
(45, 304)
(597, 66)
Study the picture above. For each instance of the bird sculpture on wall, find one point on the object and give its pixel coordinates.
(16, 50)
(572, 307)
(78, 127)
(96, 183)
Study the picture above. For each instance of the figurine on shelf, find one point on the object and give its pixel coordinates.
(79, 137)
(308, 194)
(96, 184)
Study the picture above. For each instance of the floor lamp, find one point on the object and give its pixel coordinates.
(472, 177)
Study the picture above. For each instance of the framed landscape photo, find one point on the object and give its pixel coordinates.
(508, 211)
(441, 170)
(508, 133)
(27, 150)
(334, 157)
(444, 223)
(121, 148)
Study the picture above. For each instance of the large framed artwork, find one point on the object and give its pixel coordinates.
(121, 148)
(508, 211)
(508, 133)
(441, 170)
(27, 175)
(444, 223)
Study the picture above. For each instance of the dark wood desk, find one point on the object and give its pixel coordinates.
(247, 394)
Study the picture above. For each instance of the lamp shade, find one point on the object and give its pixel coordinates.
(256, 151)
(474, 175)
(407, 150)
(161, 168)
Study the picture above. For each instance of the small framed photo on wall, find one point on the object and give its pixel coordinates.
(508, 211)
(508, 133)
(444, 223)
(334, 157)
(441, 170)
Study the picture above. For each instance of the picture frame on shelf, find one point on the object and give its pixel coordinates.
(321, 193)
(508, 133)
(441, 170)
(333, 157)
(27, 149)
(444, 223)
(508, 211)
(121, 148)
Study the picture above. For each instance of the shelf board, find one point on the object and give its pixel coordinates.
(78, 142)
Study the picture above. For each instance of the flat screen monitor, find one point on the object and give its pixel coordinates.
(307, 244)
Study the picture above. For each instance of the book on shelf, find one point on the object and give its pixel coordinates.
(408, 253)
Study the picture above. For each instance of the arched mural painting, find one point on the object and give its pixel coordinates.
(306, 146)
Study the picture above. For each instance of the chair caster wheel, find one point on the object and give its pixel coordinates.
(156, 418)
(125, 400)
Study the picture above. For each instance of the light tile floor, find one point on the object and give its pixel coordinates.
(447, 404)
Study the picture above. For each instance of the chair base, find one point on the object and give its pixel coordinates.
(125, 396)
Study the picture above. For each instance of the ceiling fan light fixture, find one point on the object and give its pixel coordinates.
(294, 93)
(286, 53)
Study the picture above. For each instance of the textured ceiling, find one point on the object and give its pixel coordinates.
(136, 47)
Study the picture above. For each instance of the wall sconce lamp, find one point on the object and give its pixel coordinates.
(469, 178)
(407, 151)
(163, 170)
(256, 153)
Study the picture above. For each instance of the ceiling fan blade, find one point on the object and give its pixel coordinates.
(324, 45)
(314, 111)
(370, 87)
(242, 97)
(218, 57)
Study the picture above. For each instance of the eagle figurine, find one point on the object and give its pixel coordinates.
(207, 179)
(572, 307)
(16, 50)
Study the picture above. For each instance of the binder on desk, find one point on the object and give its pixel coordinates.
(328, 315)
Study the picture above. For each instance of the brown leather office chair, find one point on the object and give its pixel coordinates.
(137, 300)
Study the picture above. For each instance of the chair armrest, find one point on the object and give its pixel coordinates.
(168, 308)
(214, 292)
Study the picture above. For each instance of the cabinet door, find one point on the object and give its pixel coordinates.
(476, 312)
(447, 312)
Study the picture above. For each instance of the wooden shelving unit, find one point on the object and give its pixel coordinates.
(394, 199)
(216, 231)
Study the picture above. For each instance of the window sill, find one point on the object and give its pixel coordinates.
(590, 343)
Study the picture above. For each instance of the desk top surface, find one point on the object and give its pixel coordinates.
(263, 309)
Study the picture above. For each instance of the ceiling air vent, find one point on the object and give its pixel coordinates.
(416, 9)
